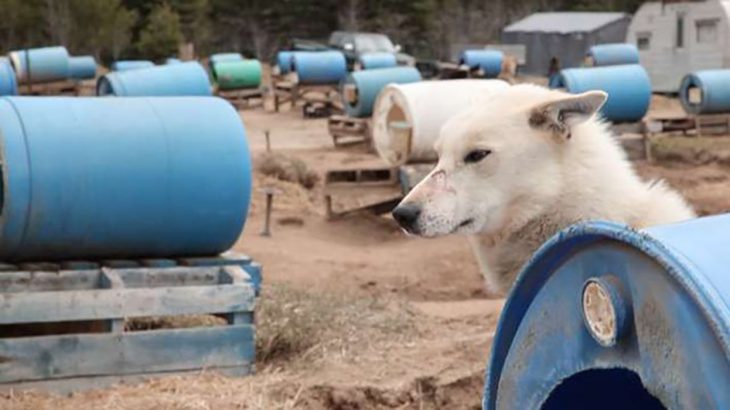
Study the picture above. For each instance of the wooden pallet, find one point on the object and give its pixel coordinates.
(656, 125)
(693, 125)
(370, 189)
(347, 131)
(59, 298)
(712, 124)
(66, 87)
(313, 98)
(245, 98)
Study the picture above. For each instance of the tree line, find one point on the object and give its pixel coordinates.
(155, 29)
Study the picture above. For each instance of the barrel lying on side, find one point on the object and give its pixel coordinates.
(223, 57)
(187, 78)
(628, 87)
(319, 67)
(89, 177)
(407, 118)
(82, 67)
(604, 316)
(369, 61)
(612, 54)
(489, 61)
(706, 92)
(284, 61)
(8, 83)
(361, 88)
(47, 64)
(126, 65)
(231, 75)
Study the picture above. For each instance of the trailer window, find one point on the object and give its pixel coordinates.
(643, 41)
(680, 31)
(706, 31)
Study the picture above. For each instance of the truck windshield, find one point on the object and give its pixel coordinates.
(371, 43)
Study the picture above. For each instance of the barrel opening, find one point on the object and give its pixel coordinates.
(694, 95)
(399, 131)
(104, 87)
(351, 94)
(602, 389)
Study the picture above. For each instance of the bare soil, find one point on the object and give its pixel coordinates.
(420, 331)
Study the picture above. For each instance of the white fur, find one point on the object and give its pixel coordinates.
(535, 182)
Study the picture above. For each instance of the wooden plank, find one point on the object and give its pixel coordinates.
(79, 265)
(177, 276)
(120, 263)
(76, 384)
(53, 357)
(158, 263)
(40, 266)
(236, 275)
(24, 281)
(111, 280)
(227, 258)
(39, 307)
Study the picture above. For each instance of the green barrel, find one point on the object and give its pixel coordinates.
(232, 75)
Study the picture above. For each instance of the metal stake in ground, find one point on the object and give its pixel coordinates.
(269, 192)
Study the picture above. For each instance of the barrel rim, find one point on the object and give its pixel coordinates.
(567, 243)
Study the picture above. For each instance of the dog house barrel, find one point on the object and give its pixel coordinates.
(126, 65)
(82, 67)
(89, 177)
(361, 88)
(319, 67)
(612, 54)
(489, 61)
(184, 79)
(8, 83)
(604, 316)
(47, 64)
(223, 57)
(284, 61)
(706, 92)
(241, 74)
(407, 119)
(369, 61)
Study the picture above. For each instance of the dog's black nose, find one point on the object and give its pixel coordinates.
(407, 215)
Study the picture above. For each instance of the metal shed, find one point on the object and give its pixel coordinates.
(676, 38)
(565, 36)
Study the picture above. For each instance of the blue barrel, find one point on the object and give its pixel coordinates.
(82, 67)
(172, 60)
(126, 65)
(319, 67)
(628, 87)
(606, 317)
(284, 61)
(489, 61)
(47, 64)
(368, 83)
(712, 88)
(88, 177)
(187, 78)
(613, 54)
(377, 60)
(8, 84)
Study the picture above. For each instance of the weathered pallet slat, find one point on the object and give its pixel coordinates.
(54, 357)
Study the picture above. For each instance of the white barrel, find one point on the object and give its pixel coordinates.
(407, 118)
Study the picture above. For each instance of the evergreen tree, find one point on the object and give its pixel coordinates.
(161, 34)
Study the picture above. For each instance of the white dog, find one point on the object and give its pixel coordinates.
(523, 165)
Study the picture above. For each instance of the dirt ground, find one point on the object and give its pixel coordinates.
(423, 333)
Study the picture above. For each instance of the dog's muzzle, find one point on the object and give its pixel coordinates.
(407, 216)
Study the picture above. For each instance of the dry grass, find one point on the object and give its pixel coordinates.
(286, 168)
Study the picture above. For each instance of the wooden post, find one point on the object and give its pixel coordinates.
(110, 280)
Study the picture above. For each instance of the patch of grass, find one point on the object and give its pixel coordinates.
(287, 168)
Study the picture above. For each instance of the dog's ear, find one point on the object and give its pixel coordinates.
(560, 115)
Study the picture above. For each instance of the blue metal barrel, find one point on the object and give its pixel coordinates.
(8, 84)
(369, 61)
(489, 61)
(613, 54)
(126, 65)
(82, 67)
(187, 78)
(604, 316)
(284, 61)
(47, 64)
(88, 177)
(367, 85)
(712, 87)
(319, 67)
(628, 87)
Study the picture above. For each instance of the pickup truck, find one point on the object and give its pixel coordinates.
(354, 44)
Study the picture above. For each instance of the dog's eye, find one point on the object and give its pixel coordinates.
(476, 155)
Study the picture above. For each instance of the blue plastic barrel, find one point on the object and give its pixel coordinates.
(377, 60)
(8, 84)
(628, 87)
(714, 92)
(613, 54)
(368, 84)
(604, 316)
(82, 67)
(319, 67)
(172, 60)
(187, 78)
(126, 65)
(88, 177)
(284, 61)
(47, 64)
(489, 61)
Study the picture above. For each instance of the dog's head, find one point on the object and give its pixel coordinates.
(497, 162)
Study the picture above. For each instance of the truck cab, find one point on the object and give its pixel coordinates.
(354, 44)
